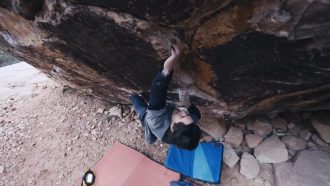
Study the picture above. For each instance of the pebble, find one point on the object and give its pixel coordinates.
(2, 169)
(100, 110)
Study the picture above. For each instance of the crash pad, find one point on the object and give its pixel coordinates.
(124, 166)
(203, 163)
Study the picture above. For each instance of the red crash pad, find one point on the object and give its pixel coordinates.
(124, 166)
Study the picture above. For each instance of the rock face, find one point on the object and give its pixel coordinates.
(271, 150)
(113, 48)
(310, 168)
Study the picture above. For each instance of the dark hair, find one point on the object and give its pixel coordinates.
(183, 136)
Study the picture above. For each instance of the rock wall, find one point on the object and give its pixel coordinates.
(241, 57)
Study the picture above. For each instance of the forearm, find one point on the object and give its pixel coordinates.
(158, 91)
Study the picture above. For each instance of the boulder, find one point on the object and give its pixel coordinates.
(271, 150)
(240, 57)
(234, 136)
(249, 166)
(310, 168)
(321, 123)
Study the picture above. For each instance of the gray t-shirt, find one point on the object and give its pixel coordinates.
(156, 122)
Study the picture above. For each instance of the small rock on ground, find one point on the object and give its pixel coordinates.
(261, 127)
(294, 143)
(2, 169)
(230, 157)
(279, 123)
(305, 134)
(115, 111)
(252, 140)
(271, 150)
(213, 126)
(249, 166)
(234, 136)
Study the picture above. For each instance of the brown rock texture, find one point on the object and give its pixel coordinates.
(241, 57)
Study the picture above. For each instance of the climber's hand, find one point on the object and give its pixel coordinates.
(176, 53)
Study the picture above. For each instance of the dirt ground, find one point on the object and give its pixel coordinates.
(52, 135)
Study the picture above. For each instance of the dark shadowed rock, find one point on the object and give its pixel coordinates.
(321, 123)
(113, 48)
(279, 123)
(261, 127)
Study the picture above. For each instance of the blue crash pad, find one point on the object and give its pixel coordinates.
(204, 163)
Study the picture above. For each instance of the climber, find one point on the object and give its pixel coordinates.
(170, 124)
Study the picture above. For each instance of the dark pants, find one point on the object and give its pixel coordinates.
(157, 98)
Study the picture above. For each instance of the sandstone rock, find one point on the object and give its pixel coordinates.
(249, 166)
(271, 150)
(321, 123)
(261, 127)
(228, 70)
(115, 111)
(279, 123)
(234, 136)
(230, 157)
(310, 168)
(252, 140)
(294, 143)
